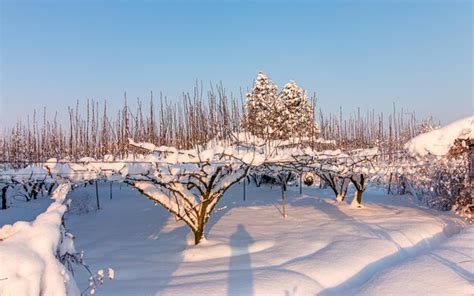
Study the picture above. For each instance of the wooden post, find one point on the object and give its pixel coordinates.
(244, 188)
(111, 189)
(283, 197)
(283, 200)
(97, 195)
(390, 184)
(471, 167)
(301, 183)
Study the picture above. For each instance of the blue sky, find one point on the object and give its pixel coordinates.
(350, 53)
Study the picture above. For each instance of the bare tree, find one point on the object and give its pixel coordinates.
(190, 183)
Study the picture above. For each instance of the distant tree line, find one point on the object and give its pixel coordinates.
(199, 117)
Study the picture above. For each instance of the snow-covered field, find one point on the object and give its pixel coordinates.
(389, 247)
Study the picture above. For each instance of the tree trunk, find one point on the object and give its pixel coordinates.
(402, 190)
(50, 189)
(4, 197)
(357, 198)
(198, 234)
(340, 197)
(390, 184)
(34, 191)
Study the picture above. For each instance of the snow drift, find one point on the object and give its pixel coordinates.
(439, 141)
(28, 250)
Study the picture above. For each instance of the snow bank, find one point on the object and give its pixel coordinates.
(28, 254)
(446, 270)
(439, 141)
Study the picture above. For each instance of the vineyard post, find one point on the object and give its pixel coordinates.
(471, 167)
(390, 184)
(283, 197)
(301, 183)
(97, 195)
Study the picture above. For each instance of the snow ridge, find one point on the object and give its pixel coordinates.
(28, 253)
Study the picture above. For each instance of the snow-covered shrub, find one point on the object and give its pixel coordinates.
(440, 183)
(70, 258)
(441, 178)
(83, 204)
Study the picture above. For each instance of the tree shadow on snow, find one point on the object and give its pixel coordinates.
(130, 225)
(240, 276)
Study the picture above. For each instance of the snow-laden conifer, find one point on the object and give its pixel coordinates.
(259, 108)
(296, 112)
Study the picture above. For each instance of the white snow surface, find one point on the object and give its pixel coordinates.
(389, 247)
(439, 141)
(28, 263)
(447, 270)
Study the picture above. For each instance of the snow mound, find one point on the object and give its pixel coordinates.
(28, 254)
(214, 250)
(439, 141)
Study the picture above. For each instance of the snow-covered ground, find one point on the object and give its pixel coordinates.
(390, 247)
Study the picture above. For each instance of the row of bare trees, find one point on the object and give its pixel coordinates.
(198, 117)
(92, 131)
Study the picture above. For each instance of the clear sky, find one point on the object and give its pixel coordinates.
(350, 53)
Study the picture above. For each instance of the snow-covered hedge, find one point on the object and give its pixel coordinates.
(29, 253)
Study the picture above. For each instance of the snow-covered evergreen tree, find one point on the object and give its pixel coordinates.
(269, 115)
(296, 112)
(259, 107)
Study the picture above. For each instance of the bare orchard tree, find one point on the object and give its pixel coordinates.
(337, 181)
(190, 183)
(338, 169)
(330, 167)
(361, 166)
(360, 182)
(26, 183)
